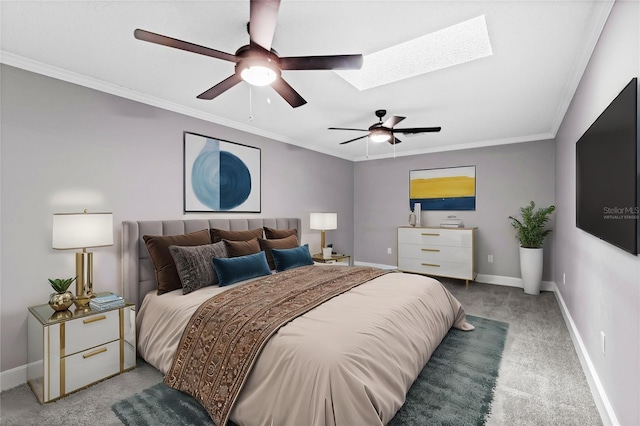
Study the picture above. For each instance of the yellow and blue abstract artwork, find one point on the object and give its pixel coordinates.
(452, 188)
(220, 175)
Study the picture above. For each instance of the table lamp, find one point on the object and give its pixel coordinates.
(323, 222)
(81, 231)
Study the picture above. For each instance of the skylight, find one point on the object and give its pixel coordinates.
(454, 45)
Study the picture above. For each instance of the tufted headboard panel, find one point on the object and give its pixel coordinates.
(138, 276)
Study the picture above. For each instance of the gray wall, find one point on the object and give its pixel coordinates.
(507, 177)
(602, 290)
(66, 148)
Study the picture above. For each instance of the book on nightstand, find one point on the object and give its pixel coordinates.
(106, 300)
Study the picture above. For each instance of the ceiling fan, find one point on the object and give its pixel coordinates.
(385, 132)
(257, 63)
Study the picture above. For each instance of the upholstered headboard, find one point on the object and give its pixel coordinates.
(138, 276)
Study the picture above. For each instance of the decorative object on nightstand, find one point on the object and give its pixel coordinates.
(62, 298)
(323, 222)
(106, 300)
(81, 231)
(531, 234)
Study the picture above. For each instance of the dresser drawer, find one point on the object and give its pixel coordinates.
(87, 332)
(436, 236)
(92, 365)
(444, 269)
(436, 253)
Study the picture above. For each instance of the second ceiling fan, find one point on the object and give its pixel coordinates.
(257, 63)
(385, 132)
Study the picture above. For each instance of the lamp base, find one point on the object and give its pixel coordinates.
(81, 301)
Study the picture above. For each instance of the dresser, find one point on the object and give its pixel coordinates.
(70, 350)
(443, 252)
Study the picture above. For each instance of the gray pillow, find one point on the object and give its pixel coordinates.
(194, 264)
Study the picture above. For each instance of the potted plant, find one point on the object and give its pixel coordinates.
(62, 298)
(531, 232)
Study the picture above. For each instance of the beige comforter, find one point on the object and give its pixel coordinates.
(349, 361)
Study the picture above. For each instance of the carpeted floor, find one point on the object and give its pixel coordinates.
(540, 379)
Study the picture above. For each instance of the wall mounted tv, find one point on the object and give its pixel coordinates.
(607, 173)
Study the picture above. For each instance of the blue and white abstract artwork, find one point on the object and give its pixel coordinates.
(220, 176)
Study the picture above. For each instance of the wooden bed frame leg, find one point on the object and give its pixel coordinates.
(467, 283)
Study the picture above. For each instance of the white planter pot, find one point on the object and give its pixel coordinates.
(531, 269)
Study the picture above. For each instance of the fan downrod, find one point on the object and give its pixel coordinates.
(381, 113)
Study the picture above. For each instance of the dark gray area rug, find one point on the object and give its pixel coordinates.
(454, 388)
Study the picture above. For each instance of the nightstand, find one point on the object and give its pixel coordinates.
(71, 350)
(340, 259)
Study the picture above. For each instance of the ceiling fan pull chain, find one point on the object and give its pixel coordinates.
(250, 104)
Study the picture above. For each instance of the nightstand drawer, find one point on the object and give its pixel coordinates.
(91, 366)
(87, 332)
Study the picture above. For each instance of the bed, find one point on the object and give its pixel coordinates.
(347, 361)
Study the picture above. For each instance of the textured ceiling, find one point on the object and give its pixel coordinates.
(519, 93)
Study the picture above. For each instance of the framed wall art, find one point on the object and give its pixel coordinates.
(452, 188)
(220, 176)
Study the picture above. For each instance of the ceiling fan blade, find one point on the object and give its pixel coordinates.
(394, 140)
(414, 130)
(263, 16)
(392, 121)
(221, 87)
(329, 62)
(288, 93)
(351, 140)
(183, 45)
(345, 128)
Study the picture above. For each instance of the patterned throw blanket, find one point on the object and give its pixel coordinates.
(226, 333)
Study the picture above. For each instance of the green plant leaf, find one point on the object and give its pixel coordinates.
(531, 230)
(60, 285)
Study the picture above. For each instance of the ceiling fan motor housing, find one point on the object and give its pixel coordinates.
(249, 57)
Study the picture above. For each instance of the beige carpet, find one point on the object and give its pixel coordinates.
(540, 380)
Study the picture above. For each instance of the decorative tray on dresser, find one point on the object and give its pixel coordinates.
(443, 252)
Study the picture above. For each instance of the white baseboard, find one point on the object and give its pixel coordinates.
(605, 409)
(513, 282)
(12, 378)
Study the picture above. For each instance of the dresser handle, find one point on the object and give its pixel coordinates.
(430, 264)
(436, 250)
(94, 319)
(430, 235)
(94, 353)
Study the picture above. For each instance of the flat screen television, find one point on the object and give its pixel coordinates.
(607, 173)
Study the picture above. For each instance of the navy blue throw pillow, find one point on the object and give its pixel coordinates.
(291, 258)
(234, 269)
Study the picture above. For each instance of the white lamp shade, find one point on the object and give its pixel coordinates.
(82, 230)
(323, 221)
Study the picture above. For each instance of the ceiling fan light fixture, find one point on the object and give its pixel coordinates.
(258, 75)
(380, 135)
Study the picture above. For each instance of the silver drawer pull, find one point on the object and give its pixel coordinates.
(430, 234)
(94, 353)
(430, 264)
(94, 319)
(436, 250)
